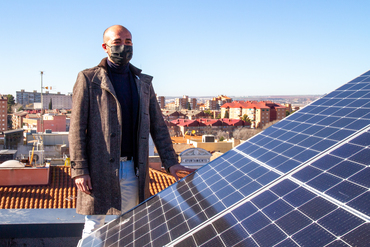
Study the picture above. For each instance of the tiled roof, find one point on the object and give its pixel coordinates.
(61, 191)
(212, 122)
(187, 122)
(246, 104)
(159, 181)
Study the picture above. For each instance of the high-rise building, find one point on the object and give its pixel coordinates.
(3, 113)
(161, 101)
(193, 103)
(182, 103)
(211, 105)
(25, 98)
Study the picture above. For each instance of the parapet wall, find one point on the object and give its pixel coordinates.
(222, 147)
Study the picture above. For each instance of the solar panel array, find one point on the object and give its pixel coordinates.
(302, 182)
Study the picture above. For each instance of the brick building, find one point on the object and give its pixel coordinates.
(55, 123)
(259, 113)
(161, 101)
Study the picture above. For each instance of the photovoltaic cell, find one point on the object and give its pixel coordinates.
(304, 181)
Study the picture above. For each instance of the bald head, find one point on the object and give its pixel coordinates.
(116, 35)
(115, 29)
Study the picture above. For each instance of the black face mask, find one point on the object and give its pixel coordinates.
(121, 54)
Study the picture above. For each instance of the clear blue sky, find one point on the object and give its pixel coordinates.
(191, 47)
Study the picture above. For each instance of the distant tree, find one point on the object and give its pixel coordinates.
(245, 118)
(226, 114)
(20, 108)
(245, 133)
(287, 113)
(269, 124)
(221, 135)
(51, 105)
(189, 106)
(10, 122)
(10, 102)
(209, 113)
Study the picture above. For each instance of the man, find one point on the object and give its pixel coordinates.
(114, 110)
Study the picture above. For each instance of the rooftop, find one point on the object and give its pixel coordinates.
(252, 104)
(61, 192)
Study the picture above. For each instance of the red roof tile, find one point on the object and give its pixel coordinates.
(212, 122)
(61, 191)
(245, 104)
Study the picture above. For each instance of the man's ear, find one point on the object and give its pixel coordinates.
(105, 47)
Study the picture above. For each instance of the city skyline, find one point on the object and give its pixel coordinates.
(192, 48)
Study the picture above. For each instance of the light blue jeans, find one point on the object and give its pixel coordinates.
(129, 196)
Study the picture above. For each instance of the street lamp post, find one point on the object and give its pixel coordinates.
(42, 104)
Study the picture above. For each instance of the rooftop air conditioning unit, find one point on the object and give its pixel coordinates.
(208, 138)
(38, 157)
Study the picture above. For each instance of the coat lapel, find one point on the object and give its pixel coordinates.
(101, 78)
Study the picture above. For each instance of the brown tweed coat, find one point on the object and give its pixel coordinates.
(95, 138)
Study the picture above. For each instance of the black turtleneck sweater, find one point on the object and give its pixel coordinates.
(126, 91)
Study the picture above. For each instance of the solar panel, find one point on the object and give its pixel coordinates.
(303, 181)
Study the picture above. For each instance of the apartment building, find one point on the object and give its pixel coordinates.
(183, 103)
(201, 106)
(277, 111)
(161, 101)
(211, 105)
(17, 119)
(58, 100)
(171, 106)
(25, 98)
(193, 103)
(259, 113)
(221, 100)
(3, 113)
